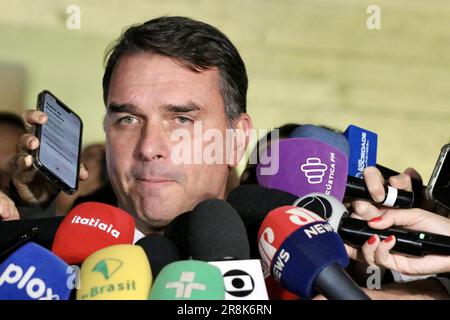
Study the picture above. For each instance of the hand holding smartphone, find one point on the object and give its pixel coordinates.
(58, 155)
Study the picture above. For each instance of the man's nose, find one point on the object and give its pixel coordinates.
(153, 143)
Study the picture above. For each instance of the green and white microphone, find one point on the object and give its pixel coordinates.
(188, 280)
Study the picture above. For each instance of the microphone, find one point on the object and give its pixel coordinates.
(160, 252)
(253, 202)
(357, 232)
(216, 232)
(324, 135)
(363, 149)
(303, 252)
(89, 227)
(188, 280)
(118, 272)
(34, 273)
(360, 146)
(308, 165)
(45, 230)
(363, 153)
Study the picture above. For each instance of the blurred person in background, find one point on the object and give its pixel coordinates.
(11, 129)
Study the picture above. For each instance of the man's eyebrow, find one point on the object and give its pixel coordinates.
(176, 108)
(122, 107)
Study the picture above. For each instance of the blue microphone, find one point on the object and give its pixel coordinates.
(363, 149)
(363, 153)
(325, 135)
(316, 260)
(34, 273)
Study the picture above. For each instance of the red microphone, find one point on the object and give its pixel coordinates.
(89, 227)
(275, 228)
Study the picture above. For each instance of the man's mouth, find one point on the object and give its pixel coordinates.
(154, 180)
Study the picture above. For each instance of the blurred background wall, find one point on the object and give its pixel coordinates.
(310, 61)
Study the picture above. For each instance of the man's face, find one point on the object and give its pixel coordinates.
(149, 97)
(9, 137)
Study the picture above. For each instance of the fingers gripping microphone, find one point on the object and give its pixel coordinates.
(357, 232)
(89, 227)
(304, 253)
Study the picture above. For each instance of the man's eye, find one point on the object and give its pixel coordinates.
(183, 120)
(127, 120)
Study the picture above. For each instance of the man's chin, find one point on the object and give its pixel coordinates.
(158, 214)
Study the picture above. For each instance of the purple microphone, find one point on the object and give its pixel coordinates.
(308, 165)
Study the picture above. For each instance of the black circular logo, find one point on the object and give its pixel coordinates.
(318, 205)
(238, 283)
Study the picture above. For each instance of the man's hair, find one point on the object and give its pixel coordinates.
(11, 119)
(197, 45)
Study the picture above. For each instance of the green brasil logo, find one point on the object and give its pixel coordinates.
(107, 267)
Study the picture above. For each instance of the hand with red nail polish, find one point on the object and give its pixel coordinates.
(379, 252)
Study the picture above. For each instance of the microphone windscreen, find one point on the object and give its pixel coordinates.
(216, 232)
(253, 203)
(363, 149)
(46, 230)
(160, 252)
(305, 166)
(188, 280)
(89, 227)
(119, 272)
(34, 273)
(296, 245)
(279, 224)
(304, 254)
(177, 232)
(327, 136)
(327, 207)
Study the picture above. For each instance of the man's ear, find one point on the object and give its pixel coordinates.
(243, 128)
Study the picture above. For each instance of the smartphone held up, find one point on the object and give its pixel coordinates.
(58, 155)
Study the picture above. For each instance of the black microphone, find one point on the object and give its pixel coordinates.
(249, 198)
(45, 230)
(212, 231)
(160, 252)
(357, 232)
(356, 188)
(253, 202)
(216, 232)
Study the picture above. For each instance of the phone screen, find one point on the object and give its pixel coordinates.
(60, 141)
(441, 191)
